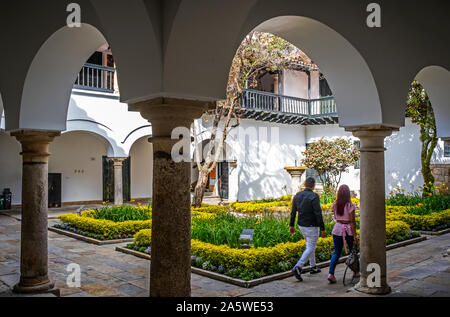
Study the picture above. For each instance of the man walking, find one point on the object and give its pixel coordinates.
(307, 204)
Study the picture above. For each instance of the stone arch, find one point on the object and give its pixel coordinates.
(436, 81)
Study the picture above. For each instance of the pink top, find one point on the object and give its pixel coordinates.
(341, 229)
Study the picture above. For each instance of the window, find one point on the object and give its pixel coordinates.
(358, 164)
(447, 148)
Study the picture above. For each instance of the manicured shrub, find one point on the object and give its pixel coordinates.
(143, 238)
(209, 209)
(107, 228)
(433, 221)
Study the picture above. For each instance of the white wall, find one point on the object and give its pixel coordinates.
(11, 167)
(295, 83)
(261, 160)
(78, 157)
(141, 154)
(104, 114)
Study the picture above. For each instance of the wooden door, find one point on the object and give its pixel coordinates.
(54, 190)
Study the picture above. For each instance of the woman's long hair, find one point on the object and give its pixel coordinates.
(343, 197)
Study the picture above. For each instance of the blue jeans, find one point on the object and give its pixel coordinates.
(338, 246)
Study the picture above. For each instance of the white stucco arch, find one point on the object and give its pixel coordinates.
(436, 81)
(92, 128)
(141, 163)
(347, 73)
(48, 84)
(144, 131)
(133, 31)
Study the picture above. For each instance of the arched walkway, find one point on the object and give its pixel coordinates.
(77, 157)
(436, 81)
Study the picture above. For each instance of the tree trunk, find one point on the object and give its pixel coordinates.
(200, 188)
(428, 145)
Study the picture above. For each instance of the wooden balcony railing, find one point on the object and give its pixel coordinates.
(260, 100)
(96, 77)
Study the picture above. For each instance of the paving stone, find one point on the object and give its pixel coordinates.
(98, 290)
(132, 290)
(126, 276)
(144, 283)
(10, 279)
(417, 274)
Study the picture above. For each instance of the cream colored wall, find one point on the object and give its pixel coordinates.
(78, 157)
(295, 83)
(141, 154)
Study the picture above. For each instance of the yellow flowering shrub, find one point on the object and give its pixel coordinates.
(143, 238)
(105, 227)
(395, 228)
(420, 222)
(256, 208)
(214, 209)
(256, 259)
(91, 213)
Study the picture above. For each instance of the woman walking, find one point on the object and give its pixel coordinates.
(344, 231)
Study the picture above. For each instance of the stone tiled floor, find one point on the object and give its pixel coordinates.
(421, 269)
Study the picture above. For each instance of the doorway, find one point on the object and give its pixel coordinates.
(54, 190)
(108, 179)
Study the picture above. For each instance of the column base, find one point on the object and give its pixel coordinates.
(33, 288)
(384, 290)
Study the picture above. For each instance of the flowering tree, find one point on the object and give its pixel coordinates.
(419, 109)
(330, 158)
(259, 52)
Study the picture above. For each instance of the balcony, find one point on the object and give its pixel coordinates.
(265, 106)
(95, 77)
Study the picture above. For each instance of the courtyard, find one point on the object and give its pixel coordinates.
(185, 179)
(420, 269)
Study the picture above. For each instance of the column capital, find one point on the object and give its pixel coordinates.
(35, 144)
(371, 131)
(165, 114)
(372, 137)
(118, 161)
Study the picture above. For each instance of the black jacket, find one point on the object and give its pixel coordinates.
(307, 204)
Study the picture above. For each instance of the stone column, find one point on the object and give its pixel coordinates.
(170, 268)
(373, 211)
(118, 185)
(33, 242)
(296, 175)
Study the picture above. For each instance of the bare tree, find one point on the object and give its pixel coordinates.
(258, 53)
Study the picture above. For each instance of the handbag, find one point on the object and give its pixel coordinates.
(352, 262)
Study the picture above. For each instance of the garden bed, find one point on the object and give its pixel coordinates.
(88, 239)
(216, 248)
(117, 224)
(107, 225)
(265, 279)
